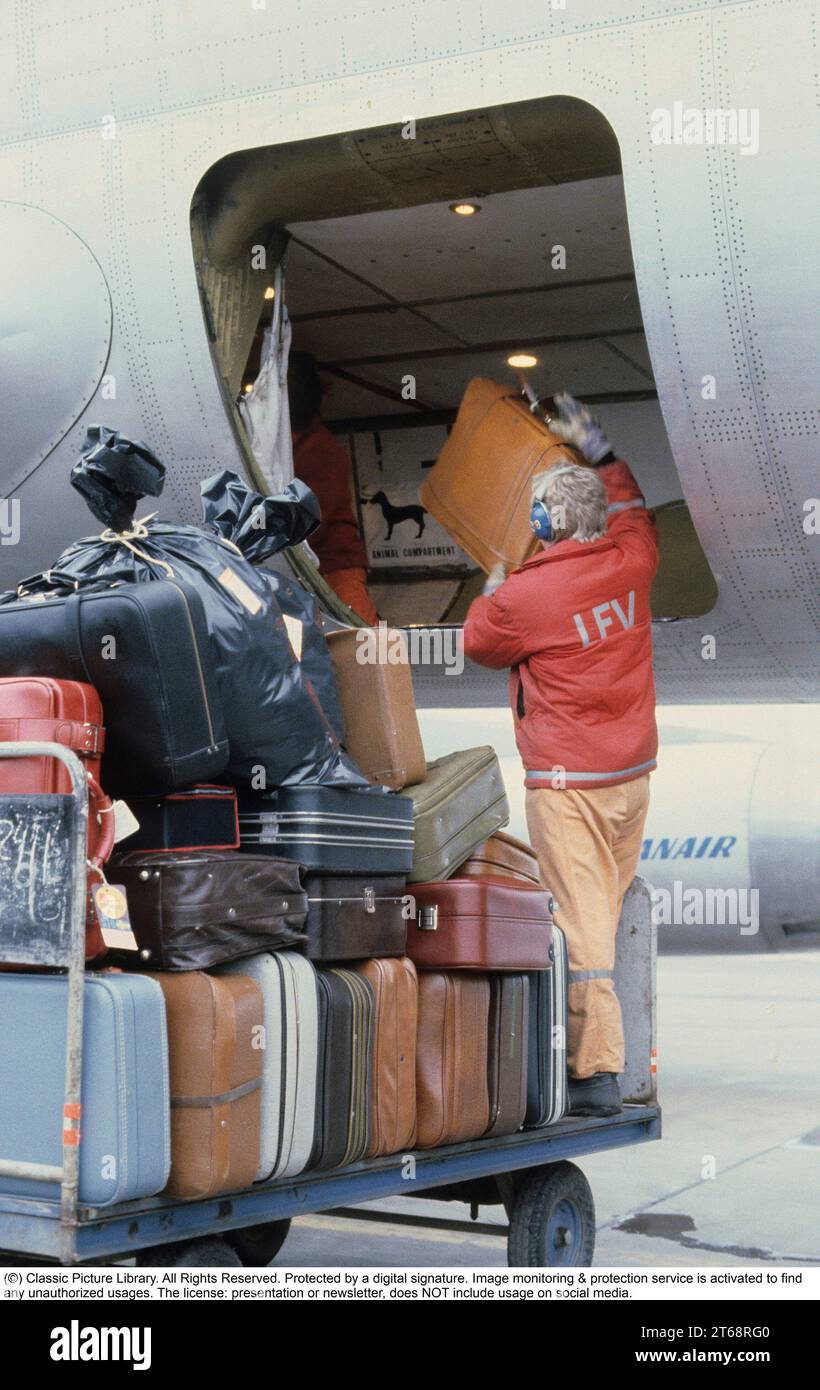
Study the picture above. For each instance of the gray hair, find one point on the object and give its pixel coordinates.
(576, 500)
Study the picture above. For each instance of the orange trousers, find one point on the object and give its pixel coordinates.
(351, 587)
(588, 845)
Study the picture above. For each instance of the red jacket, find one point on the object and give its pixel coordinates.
(321, 462)
(574, 625)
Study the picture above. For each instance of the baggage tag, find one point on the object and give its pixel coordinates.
(111, 907)
(295, 631)
(239, 590)
(125, 822)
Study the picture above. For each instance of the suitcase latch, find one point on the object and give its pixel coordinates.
(92, 739)
(369, 899)
(427, 919)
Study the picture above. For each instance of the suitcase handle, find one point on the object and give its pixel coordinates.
(103, 809)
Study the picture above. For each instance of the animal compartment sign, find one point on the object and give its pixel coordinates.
(399, 533)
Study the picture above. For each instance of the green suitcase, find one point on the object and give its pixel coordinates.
(461, 802)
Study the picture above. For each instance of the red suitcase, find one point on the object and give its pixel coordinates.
(37, 708)
(480, 923)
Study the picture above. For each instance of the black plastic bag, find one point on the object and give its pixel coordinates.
(278, 733)
(254, 523)
(113, 473)
(259, 526)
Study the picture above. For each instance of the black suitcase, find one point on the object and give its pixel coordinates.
(547, 1046)
(145, 649)
(344, 1089)
(201, 817)
(355, 918)
(331, 830)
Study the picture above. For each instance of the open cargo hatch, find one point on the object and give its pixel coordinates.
(402, 301)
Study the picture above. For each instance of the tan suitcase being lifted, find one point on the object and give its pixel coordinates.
(381, 727)
(479, 489)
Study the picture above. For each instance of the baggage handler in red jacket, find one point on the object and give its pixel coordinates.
(321, 462)
(573, 624)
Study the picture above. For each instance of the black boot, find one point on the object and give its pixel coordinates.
(596, 1095)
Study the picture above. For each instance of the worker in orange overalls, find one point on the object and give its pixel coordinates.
(574, 625)
(321, 462)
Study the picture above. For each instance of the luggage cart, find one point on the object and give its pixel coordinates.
(547, 1198)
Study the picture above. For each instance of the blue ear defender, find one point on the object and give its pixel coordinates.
(540, 521)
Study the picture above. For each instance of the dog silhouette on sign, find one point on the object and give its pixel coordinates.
(394, 516)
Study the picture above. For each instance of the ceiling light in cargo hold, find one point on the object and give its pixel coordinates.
(522, 360)
(465, 209)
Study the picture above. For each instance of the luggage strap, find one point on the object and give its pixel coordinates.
(85, 739)
(206, 1102)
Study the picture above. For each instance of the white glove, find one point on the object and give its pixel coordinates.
(495, 579)
(576, 425)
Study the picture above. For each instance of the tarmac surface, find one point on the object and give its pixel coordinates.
(735, 1179)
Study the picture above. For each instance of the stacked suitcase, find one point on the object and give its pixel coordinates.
(322, 974)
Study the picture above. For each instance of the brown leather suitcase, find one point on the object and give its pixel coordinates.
(381, 728)
(395, 1021)
(452, 1097)
(197, 908)
(480, 923)
(479, 489)
(507, 1055)
(504, 856)
(215, 1053)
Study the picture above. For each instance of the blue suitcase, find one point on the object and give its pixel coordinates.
(125, 1129)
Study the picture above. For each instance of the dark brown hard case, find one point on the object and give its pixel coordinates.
(355, 918)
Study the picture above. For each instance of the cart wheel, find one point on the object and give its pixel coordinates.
(210, 1250)
(553, 1219)
(258, 1245)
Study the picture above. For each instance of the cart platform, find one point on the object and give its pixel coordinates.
(32, 1226)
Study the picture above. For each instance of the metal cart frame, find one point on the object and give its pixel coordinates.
(62, 1230)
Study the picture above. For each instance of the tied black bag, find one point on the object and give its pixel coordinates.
(238, 514)
(278, 733)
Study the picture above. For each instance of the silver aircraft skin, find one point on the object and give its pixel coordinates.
(111, 120)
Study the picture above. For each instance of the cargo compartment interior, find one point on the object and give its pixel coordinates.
(403, 300)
